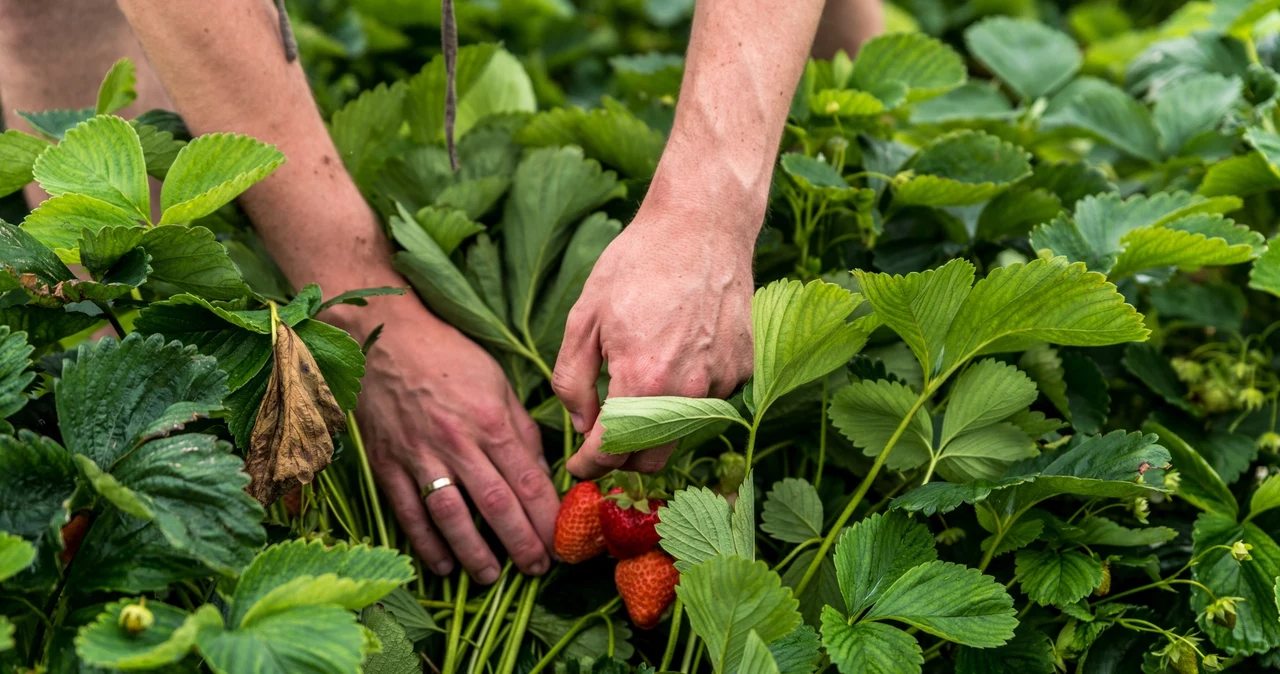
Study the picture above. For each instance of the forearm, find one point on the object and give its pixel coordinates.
(224, 67)
(745, 58)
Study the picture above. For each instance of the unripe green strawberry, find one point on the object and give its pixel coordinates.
(578, 532)
(731, 468)
(647, 585)
(136, 618)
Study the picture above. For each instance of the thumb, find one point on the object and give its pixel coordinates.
(576, 371)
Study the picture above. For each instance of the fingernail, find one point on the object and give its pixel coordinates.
(538, 568)
(577, 422)
(488, 576)
(542, 461)
(443, 568)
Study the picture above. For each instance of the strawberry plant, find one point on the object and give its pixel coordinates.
(1013, 406)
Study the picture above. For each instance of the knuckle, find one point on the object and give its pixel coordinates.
(447, 507)
(562, 381)
(490, 420)
(496, 498)
(529, 483)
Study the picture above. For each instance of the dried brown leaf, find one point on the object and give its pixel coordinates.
(292, 438)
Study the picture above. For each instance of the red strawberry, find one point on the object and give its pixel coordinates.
(578, 536)
(293, 501)
(72, 533)
(629, 524)
(647, 584)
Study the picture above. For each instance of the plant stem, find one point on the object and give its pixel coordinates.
(113, 319)
(822, 437)
(602, 613)
(568, 450)
(830, 538)
(928, 473)
(798, 549)
(673, 637)
(455, 625)
(689, 647)
(491, 635)
(469, 634)
(367, 473)
(751, 440)
(507, 663)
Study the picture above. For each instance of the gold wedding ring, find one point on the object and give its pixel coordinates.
(436, 485)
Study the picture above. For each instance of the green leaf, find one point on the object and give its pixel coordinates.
(874, 553)
(298, 639)
(1029, 652)
(633, 424)
(15, 555)
(194, 489)
(959, 169)
(109, 488)
(1057, 577)
(1030, 57)
(970, 102)
(1188, 244)
(1042, 301)
(1265, 275)
(926, 66)
(951, 602)
(801, 333)
(920, 306)
(212, 170)
(301, 573)
(756, 658)
(1239, 176)
(611, 134)
(1102, 531)
(728, 598)
(6, 634)
(987, 392)
(816, 176)
(192, 259)
(1265, 498)
(1200, 484)
(448, 227)
(797, 652)
(1192, 106)
(18, 152)
(1218, 305)
(1151, 367)
(697, 525)
(1087, 396)
(358, 297)
(416, 621)
(490, 81)
(122, 553)
(869, 647)
(1109, 114)
(21, 254)
(112, 393)
(117, 89)
(364, 131)
(943, 497)
(61, 222)
(444, 289)
(228, 336)
(585, 247)
(159, 148)
(36, 480)
(100, 158)
(15, 359)
(104, 643)
(1021, 534)
(1257, 627)
(589, 643)
(1042, 363)
(868, 413)
(1015, 212)
(984, 453)
(553, 188)
(848, 103)
(397, 655)
(54, 124)
(474, 197)
(792, 511)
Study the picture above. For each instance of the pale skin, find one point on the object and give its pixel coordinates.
(667, 307)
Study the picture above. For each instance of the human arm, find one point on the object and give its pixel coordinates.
(434, 404)
(668, 305)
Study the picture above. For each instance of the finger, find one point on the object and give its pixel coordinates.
(626, 383)
(649, 460)
(453, 519)
(589, 463)
(504, 512)
(407, 504)
(577, 368)
(523, 467)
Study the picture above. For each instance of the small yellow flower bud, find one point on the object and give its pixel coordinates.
(831, 108)
(1251, 398)
(1240, 550)
(1269, 441)
(1188, 370)
(136, 618)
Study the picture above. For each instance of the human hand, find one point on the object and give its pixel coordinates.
(668, 307)
(434, 404)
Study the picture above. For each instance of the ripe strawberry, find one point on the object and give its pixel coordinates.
(578, 535)
(629, 524)
(647, 584)
(293, 501)
(72, 533)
